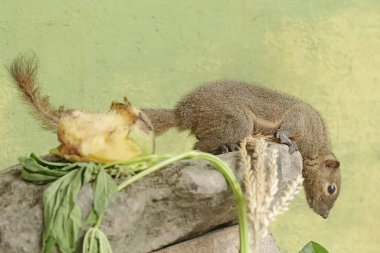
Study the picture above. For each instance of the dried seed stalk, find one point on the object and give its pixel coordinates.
(261, 184)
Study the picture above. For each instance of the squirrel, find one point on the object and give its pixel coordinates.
(221, 114)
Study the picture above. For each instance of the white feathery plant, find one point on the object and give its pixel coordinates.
(261, 181)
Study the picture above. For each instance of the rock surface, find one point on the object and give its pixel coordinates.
(183, 200)
(224, 240)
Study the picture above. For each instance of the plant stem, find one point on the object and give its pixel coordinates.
(222, 167)
(135, 160)
(98, 222)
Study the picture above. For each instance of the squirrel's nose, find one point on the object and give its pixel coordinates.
(325, 214)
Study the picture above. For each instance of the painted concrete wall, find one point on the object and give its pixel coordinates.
(325, 52)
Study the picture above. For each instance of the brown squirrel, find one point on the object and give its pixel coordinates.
(220, 114)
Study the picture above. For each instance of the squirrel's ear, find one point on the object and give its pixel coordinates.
(332, 163)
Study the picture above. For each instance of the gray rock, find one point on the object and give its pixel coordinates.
(224, 240)
(183, 200)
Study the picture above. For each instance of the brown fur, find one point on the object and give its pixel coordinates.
(23, 71)
(163, 119)
(221, 114)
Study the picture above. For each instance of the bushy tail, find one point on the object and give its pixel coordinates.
(23, 71)
(162, 119)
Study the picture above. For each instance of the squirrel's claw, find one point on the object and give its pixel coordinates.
(284, 139)
(225, 148)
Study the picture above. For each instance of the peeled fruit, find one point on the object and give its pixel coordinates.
(120, 134)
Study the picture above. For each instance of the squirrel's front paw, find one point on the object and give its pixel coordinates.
(292, 148)
(225, 148)
(284, 139)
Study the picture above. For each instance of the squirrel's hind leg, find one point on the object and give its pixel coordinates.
(222, 134)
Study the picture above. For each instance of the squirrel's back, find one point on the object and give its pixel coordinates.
(232, 96)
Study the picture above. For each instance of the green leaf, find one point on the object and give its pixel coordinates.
(48, 163)
(91, 218)
(34, 166)
(36, 177)
(50, 243)
(95, 241)
(104, 244)
(90, 244)
(62, 216)
(313, 247)
(40, 172)
(104, 189)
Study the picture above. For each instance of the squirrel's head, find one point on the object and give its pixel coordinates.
(322, 184)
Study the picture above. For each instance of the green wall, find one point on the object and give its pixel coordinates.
(325, 52)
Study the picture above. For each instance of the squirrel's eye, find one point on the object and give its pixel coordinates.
(331, 189)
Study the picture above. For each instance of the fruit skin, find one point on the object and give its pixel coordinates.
(120, 134)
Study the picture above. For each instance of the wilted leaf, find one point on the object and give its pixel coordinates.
(104, 244)
(33, 171)
(313, 247)
(95, 241)
(90, 242)
(62, 216)
(51, 165)
(40, 171)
